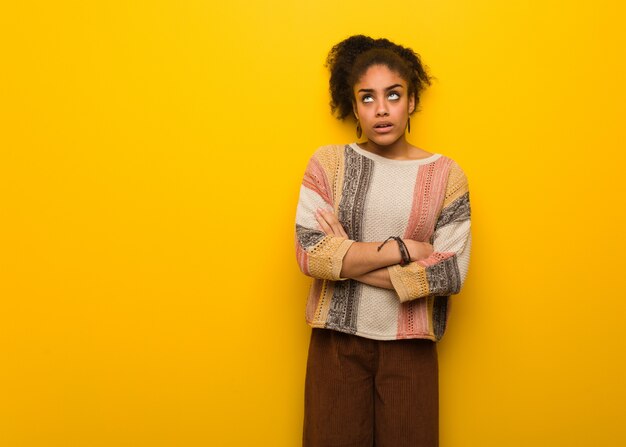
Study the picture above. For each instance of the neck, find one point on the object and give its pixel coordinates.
(399, 149)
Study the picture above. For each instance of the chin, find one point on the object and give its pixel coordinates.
(383, 140)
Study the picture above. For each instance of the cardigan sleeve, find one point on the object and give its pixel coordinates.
(319, 255)
(444, 271)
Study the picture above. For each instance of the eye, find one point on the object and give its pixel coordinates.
(394, 96)
(367, 98)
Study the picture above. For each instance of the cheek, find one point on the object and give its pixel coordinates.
(403, 109)
(403, 104)
(360, 110)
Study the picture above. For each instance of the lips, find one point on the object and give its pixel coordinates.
(383, 127)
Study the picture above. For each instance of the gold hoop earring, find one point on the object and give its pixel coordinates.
(408, 125)
(359, 131)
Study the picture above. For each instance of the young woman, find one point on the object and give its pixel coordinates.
(383, 227)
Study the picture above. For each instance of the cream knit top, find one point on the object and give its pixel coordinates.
(375, 197)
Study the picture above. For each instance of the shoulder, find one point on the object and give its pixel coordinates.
(329, 151)
(455, 171)
(329, 156)
(456, 184)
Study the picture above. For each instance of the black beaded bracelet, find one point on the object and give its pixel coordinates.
(404, 251)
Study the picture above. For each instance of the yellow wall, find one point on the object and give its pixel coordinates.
(151, 156)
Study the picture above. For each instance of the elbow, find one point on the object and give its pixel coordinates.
(302, 258)
(345, 272)
(444, 278)
(325, 259)
(415, 281)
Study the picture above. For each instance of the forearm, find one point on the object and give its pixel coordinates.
(377, 278)
(443, 273)
(364, 257)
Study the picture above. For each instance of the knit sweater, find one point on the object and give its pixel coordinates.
(375, 197)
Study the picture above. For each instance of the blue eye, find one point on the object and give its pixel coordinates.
(367, 98)
(394, 96)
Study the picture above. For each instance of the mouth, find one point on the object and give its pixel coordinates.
(383, 127)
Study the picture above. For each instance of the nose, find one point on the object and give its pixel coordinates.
(382, 109)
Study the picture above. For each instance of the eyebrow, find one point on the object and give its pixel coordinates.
(371, 90)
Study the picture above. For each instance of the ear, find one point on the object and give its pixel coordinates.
(411, 104)
(356, 115)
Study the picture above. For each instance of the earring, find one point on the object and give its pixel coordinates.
(359, 131)
(408, 125)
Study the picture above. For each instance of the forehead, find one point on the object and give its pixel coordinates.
(379, 76)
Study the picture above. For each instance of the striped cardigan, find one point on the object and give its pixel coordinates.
(373, 198)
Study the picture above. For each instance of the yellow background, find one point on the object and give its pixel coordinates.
(151, 156)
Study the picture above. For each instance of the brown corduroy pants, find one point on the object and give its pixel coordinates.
(361, 392)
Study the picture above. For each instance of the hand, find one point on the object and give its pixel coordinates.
(329, 223)
(418, 250)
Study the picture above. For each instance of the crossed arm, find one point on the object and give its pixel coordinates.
(363, 261)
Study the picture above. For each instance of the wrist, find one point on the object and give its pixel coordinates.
(413, 249)
(419, 250)
(403, 250)
(405, 254)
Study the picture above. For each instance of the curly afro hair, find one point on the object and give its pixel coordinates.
(350, 59)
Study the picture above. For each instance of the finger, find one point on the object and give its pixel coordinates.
(332, 220)
(327, 229)
(340, 231)
(328, 216)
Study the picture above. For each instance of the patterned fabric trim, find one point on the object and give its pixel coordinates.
(413, 319)
(444, 277)
(410, 281)
(315, 179)
(440, 315)
(308, 237)
(302, 257)
(320, 296)
(437, 275)
(356, 179)
(427, 199)
(326, 257)
(428, 196)
(457, 211)
(342, 314)
(331, 160)
(315, 295)
(457, 184)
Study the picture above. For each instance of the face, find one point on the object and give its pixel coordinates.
(382, 105)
